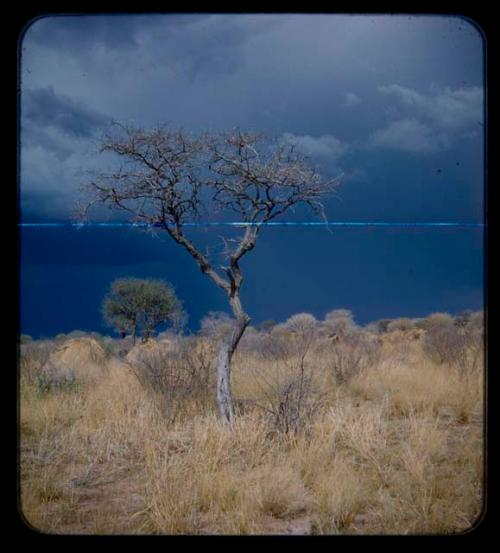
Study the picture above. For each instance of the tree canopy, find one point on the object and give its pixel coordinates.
(138, 306)
(168, 179)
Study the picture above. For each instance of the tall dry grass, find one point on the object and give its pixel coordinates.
(395, 449)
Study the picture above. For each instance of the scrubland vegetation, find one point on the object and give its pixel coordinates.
(339, 430)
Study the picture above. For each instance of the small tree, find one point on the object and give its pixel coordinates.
(138, 306)
(169, 178)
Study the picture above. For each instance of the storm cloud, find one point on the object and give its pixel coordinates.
(344, 88)
(44, 108)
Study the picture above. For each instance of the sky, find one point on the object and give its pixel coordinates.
(394, 104)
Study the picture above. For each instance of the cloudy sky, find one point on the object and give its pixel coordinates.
(394, 103)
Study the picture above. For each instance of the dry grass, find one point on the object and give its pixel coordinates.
(395, 450)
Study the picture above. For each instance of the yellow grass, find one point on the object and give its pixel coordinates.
(396, 450)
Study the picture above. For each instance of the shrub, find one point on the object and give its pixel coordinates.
(253, 341)
(292, 402)
(378, 327)
(458, 345)
(80, 334)
(290, 394)
(339, 322)
(33, 356)
(302, 325)
(402, 324)
(436, 320)
(49, 381)
(352, 354)
(463, 318)
(217, 326)
(175, 378)
(266, 326)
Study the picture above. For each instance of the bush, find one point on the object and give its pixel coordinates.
(302, 324)
(402, 324)
(339, 322)
(216, 326)
(378, 327)
(290, 394)
(292, 402)
(463, 318)
(79, 334)
(266, 326)
(352, 354)
(436, 320)
(458, 345)
(33, 356)
(175, 378)
(49, 381)
(253, 341)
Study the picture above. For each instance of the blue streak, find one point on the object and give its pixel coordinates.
(268, 224)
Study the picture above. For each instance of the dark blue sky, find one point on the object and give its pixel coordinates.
(395, 103)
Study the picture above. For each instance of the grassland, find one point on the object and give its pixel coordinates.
(396, 448)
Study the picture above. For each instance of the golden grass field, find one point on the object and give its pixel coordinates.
(397, 449)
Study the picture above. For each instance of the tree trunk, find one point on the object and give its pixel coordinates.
(224, 394)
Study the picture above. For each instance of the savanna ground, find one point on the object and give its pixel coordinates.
(358, 433)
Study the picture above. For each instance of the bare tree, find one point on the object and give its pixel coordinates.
(168, 177)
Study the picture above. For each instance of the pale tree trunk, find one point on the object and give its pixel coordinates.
(225, 400)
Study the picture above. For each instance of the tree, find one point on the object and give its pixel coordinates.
(169, 177)
(136, 305)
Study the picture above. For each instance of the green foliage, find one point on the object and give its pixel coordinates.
(25, 339)
(138, 306)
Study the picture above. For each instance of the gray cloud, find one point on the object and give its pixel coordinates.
(446, 108)
(56, 133)
(196, 45)
(408, 135)
(54, 142)
(79, 34)
(327, 146)
(45, 108)
(432, 121)
(351, 100)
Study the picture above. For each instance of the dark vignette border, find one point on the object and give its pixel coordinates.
(475, 13)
